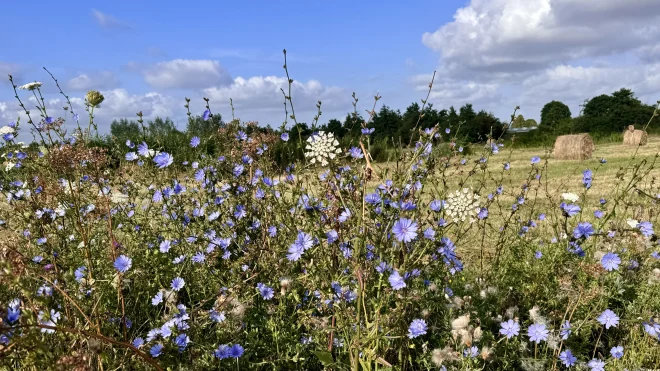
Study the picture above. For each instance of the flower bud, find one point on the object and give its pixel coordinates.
(94, 98)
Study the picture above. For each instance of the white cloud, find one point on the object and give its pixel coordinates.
(107, 21)
(118, 103)
(186, 73)
(255, 99)
(523, 35)
(574, 84)
(263, 93)
(528, 52)
(97, 80)
(448, 92)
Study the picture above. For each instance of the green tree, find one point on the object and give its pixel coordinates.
(452, 118)
(387, 123)
(124, 129)
(197, 126)
(484, 124)
(553, 113)
(160, 128)
(335, 127)
(519, 122)
(301, 128)
(612, 113)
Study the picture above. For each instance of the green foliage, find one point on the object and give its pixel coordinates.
(553, 113)
(613, 113)
(197, 126)
(124, 130)
(518, 122)
(335, 127)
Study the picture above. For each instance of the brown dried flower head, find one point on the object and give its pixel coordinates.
(69, 157)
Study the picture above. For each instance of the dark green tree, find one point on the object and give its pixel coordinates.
(335, 127)
(160, 128)
(553, 113)
(197, 126)
(124, 129)
(301, 127)
(387, 123)
(353, 124)
(613, 113)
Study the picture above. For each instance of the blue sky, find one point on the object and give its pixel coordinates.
(496, 54)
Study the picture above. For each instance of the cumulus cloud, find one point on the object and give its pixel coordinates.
(96, 80)
(560, 83)
(522, 35)
(107, 21)
(529, 52)
(448, 92)
(264, 93)
(186, 73)
(118, 103)
(255, 99)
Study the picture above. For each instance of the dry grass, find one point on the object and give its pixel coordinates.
(564, 174)
(559, 176)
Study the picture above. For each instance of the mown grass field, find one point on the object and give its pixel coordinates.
(558, 176)
(561, 175)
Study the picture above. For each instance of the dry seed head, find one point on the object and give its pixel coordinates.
(94, 98)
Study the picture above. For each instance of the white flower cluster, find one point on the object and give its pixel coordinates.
(322, 147)
(6, 130)
(30, 86)
(570, 197)
(462, 205)
(118, 198)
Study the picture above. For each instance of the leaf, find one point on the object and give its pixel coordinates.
(383, 362)
(324, 357)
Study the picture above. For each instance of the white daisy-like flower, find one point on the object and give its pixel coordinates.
(61, 209)
(30, 86)
(570, 197)
(118, 198)
(462, 205)
(6, 130)
(322, 147)
(67, 186)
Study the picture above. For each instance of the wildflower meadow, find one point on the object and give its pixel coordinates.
(443, 258)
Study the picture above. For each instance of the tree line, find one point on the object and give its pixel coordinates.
(600, 115)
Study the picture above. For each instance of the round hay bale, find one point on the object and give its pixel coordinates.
(574, 147)
(634, 137)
